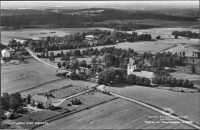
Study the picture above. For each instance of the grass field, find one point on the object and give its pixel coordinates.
(24, 76)
(67, 90)
(31, 118)
(58, 84)
(87, 100)
(35, 34)
(183, 104)
(117, 114)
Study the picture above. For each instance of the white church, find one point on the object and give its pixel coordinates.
(132, 66)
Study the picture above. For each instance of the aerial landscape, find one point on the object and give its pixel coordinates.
(100, 65)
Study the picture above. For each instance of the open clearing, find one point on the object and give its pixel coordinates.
(183, 104)
(35, 34)
(117, 114)
(24, 76)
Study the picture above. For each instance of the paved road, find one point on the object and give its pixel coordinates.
(101, 87)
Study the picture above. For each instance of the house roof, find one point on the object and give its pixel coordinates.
(39, 98)
(89, 36)
(63, 71)
(145, 74)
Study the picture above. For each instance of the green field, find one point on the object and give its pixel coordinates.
(183, 104)
(116, 114)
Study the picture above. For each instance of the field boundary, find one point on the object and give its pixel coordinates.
(64, 114)
(42, 84)
(153, 107)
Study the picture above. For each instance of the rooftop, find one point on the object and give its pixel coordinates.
(39, 98)
(145, 74)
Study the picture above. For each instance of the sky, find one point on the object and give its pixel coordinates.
(101, 4)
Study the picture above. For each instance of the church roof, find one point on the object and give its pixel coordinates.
(145, 74)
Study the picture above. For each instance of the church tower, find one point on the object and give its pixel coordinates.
(131, 66)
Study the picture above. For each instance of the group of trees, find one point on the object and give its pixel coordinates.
(14, 44)
(77, 40)
(131, 37)
(112, 75)
(72, 41)
(135, 80)
(188, 34)
(76, 101)
(116, 75)
(11, 101)
(163, 59)
(130, 26)
(173, 82)
(2, 46)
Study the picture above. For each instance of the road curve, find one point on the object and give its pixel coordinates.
(101, 87)
(39, 58)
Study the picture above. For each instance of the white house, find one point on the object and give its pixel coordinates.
(83, 70)
(5, 53)
(89, 37)
(132, 66)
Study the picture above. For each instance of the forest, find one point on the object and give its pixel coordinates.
(48, 19)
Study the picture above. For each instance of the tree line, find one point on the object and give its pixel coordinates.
(11, 101)
(61, 20)
(78, 40)
(188, 34)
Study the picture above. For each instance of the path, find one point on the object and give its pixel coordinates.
(57, 102)
(34, 56)
(33, 108)
(101, 87)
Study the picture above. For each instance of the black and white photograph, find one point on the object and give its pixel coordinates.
(100, 65)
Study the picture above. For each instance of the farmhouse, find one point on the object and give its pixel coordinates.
(83, 70)
(196, 54)
(132, 67)
(89, 37)
(45, 101)
(5, 53)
